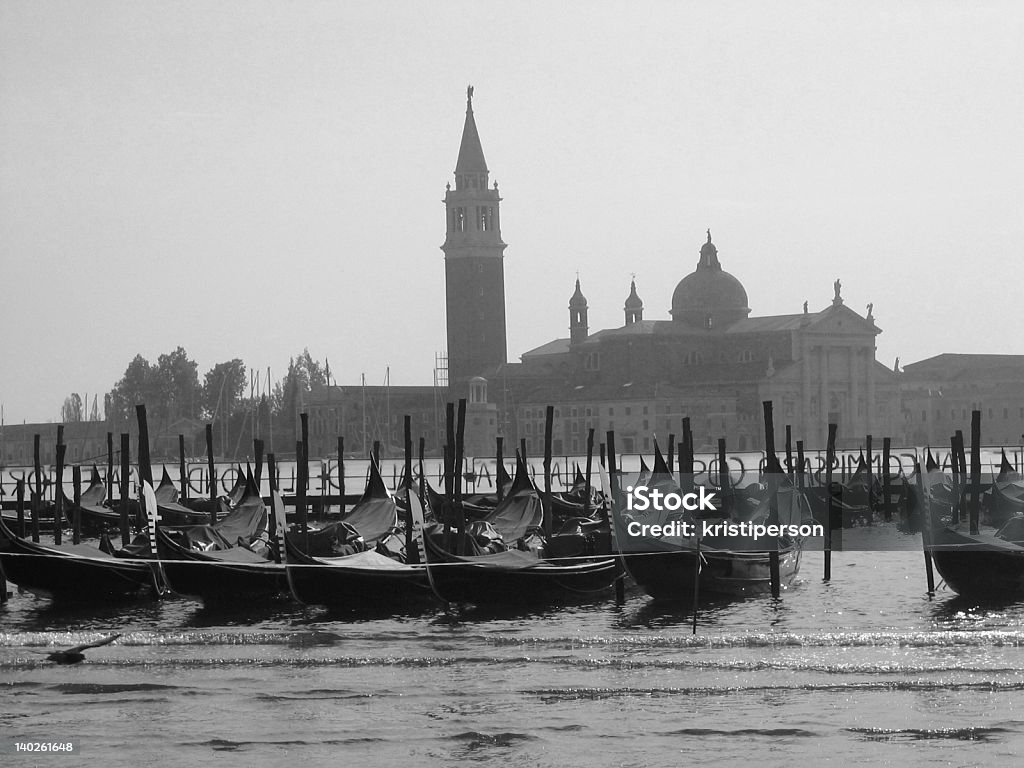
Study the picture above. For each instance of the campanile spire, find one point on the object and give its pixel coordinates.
(474, 269)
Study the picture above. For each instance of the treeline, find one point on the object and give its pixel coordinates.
(239, 403)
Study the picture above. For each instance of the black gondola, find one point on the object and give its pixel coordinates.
(76, 572)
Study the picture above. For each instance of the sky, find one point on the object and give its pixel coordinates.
(251, 178)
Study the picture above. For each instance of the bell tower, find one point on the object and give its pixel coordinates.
(473, 264)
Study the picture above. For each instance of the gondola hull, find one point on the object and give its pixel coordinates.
(216, 579)
(670, 575)
(509, 578)
(72, 574)
(978, 568)
(363, 581)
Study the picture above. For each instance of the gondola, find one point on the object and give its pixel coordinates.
(228, 560)
(1005, 498)
(72, 572)
(666, 567)
(514, 577)
(95, 516)
(171, 511)
(983, 565)
(461, 571)
(361, 580)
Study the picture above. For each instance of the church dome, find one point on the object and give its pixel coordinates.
(709, 297)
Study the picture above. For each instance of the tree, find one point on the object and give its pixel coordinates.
(138, 385)
(291, 393)
(72, 410)
(177, 384)
(223, 387)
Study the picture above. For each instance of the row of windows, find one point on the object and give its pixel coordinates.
(964, 414)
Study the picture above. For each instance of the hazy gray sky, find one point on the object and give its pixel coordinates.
(245, 179)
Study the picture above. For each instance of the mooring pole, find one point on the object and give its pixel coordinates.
(212, 474)
(773, 497)
(499, 448)
(182, 471)
(975, 471)
(76, 512)
(37, 495)
(58, 488)
(124, 491)
(549, 417)
(886, 490)
(613, 481)
(830, 457)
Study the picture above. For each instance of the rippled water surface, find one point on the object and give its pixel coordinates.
(865, 669)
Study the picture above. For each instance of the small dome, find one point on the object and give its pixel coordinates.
(709, 296)
(633, 301)
(577, 299)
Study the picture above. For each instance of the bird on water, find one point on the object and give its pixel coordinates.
(75, 654)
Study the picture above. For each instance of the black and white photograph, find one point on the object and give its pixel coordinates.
(564, 384)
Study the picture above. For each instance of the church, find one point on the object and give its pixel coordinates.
(710, 360)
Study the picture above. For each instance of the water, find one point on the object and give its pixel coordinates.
(862, 670)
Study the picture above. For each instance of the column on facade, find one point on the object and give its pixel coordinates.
(823, 388)
(869, 374)
(856, 425)
(805, 394)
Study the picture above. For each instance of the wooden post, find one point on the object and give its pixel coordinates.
(409, 490)
(182, 471)
(110, 465)
(789, 450)
(686, 458)
(800, 464)
(886, 453)
(58, 488)
(76, 513)
(773, 500)
(124, 492)
(670, 459)
(522, 448)
(549, 419)
(20, 493)
(590, 463)
(613, 479)
(376, 451)
(303, 451)
(830, 457)
(145, 466)
(212, 473)
(460, 445)
(724, 481)
(499, 458)
(37, 495)
(975, 471)
(341, 475)
(277, 549)
(446, 513)
(871, 479)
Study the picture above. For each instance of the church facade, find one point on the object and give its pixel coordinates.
(712, 362)
(709, 360)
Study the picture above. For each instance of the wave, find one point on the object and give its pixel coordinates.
(924, 734)
(319, 638)
(884, 686)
